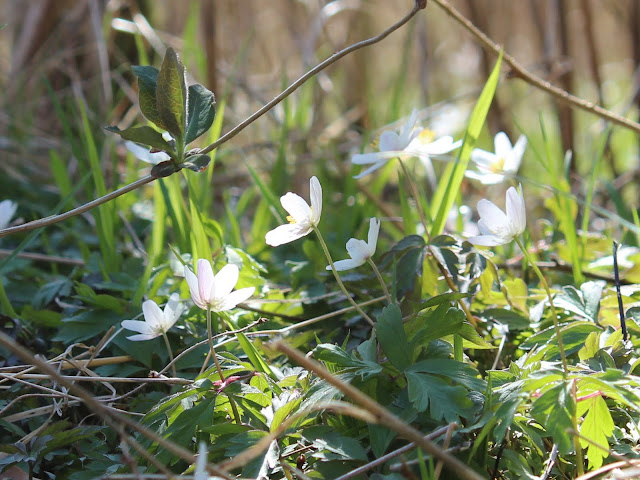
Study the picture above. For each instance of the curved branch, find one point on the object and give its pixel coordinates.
(314, 71)
(522, 73)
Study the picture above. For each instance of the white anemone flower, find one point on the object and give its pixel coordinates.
(496, 227)
(413, 141)
(302, 217)
(7, 211)
(359, 250)
(144, 154)
(493, 168)
(214, 292)
(156, 321)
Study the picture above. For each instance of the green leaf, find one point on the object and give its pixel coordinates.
(342, 447)
(202, 111)
(196, 163)
(392, 337)
(459, 372)
(146, 136)
(147, 82)
(171, 95)
(444, 401)
(439, 323)
(511, 318)
(596, 426)
(330, 353)
(554, 411)
(443, 298)
(449, 186)
(164, 169)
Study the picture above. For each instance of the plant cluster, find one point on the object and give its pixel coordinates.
(438, 348)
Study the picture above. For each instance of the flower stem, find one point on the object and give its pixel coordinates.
(381, 280)
(166, 342)
(339, 280)
(213, 350)
(416, 198)
(554, 315)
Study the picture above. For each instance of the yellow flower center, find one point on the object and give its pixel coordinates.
(290, 219)
(498, 165)
(427, 136)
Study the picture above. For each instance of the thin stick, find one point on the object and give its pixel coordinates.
(45, 222)
(383, 415)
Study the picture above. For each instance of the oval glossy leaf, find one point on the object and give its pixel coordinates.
(146, 136)
(202, 111)
(171, 95)
(164, 169)
(197, 163)
(147, 81)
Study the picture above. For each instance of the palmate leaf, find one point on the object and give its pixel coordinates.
(445, 401)
(554, 411)
(171, 95)
(597, 426)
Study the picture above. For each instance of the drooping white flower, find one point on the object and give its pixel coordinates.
(496, 227)
(143, 153)
(214, 292)
(494, 167)
(413, 141)
(359, 250)
(7, 211)
(302, 217)
(156, 321)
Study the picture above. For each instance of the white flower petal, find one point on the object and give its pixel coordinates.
(407, 130)
(225, 281)
(137, 326)
(7, 211)
(286, 233)
(234, 298)
(486, 241)
(369, 158)
(515, 159)
(372, 237)
(358, 250)
(485, 178)
(342, 265)
(205, 280)
(483, 159)
(192, 281)
(316, 199)
(390, 141)
(143, 153)
(492, 215)
(296, 207)
(153, 315)
(371, 169)
(516, 211)
(502, 145)
(143, 336)
(172, 310)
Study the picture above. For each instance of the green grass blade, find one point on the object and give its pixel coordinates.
(450, 184)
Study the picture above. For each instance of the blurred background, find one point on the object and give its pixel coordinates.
(60, 56)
